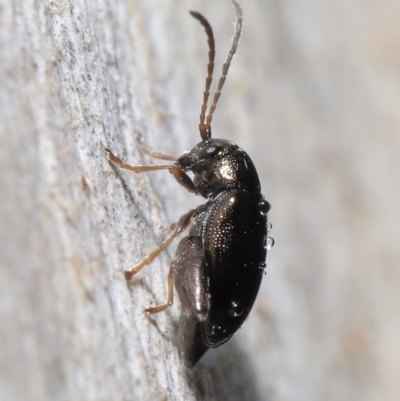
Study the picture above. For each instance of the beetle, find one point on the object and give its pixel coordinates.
(219, 265)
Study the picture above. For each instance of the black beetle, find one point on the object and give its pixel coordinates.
(219, 265)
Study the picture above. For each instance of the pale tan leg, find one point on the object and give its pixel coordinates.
(177, 172)
(178, 228)
(136, 169)
(151, 256)
(152, 153)
(170, 296)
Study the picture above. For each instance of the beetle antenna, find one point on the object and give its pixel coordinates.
(225, 67)
(210, 68)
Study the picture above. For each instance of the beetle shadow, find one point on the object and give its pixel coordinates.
(226, 375)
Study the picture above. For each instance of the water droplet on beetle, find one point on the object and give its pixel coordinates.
(236, 309)
(215, 330)
(269, 243)
(264, 207)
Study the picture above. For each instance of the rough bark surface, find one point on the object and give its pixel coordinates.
(313, 95)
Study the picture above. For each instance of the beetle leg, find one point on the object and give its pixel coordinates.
(152, 153)
(136, 169)
(178, 228)
(170, 297)
(191, 282)
(191, 277)
(183, 179)
(179, 174)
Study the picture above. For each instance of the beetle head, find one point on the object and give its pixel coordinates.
(219, 165)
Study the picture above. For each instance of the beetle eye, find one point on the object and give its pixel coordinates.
(209, 151)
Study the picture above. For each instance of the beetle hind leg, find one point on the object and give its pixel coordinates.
(170, 296)
(191, 274)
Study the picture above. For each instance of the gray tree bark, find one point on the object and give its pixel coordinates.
(313, 95)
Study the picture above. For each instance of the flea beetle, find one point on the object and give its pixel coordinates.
(219, 265)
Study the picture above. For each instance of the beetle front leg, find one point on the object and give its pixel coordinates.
(183, 179)
(177, 172)
(135, 169)
(151, 152)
